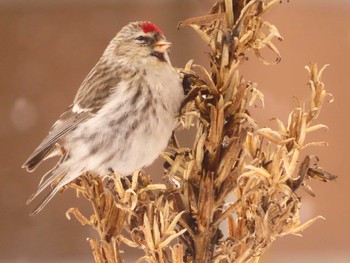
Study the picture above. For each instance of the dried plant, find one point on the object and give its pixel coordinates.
(232, 158)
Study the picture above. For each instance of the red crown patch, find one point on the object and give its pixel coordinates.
(149, 27)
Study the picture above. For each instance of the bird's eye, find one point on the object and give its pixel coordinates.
(141, 38)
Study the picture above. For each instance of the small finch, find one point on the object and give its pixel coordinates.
(122, 116)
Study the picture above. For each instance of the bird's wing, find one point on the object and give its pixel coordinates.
(90, 97)
(67, 122)
(96, 87)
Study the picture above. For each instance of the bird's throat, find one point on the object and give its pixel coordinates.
(159, 55)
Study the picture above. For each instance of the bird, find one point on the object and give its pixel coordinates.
(122, 116)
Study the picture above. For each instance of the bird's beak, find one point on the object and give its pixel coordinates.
(161, 46)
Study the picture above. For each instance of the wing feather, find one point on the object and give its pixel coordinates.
(91, 96)
(67, 122)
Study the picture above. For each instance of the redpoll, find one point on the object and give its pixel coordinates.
(122, 116)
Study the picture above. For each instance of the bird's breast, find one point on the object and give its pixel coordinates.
(132, 128)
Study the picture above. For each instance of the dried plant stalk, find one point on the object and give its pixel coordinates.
(231, 156)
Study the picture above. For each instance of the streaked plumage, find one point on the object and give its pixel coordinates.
(123, 113)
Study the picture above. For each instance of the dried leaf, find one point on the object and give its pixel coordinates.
(171, 238)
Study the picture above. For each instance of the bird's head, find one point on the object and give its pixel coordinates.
(138, 42)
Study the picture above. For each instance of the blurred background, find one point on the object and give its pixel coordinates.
(47, 47)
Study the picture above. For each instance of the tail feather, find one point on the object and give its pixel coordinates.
(50, 177)
(49, 173)
(56, 174)
(65, 179)
(44, 202)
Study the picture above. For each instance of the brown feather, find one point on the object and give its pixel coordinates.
(67, 122)
(96, 87)
(90, 97)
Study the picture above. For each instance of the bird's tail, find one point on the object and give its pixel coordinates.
(57, 175)
(44, 202)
